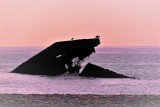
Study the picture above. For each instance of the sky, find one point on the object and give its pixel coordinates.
(43, 22)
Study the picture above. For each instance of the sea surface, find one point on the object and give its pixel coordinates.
(139, 62)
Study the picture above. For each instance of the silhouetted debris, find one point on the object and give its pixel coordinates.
(91, 70)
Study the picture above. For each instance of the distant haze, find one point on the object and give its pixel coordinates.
(42, 22)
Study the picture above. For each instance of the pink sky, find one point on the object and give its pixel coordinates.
(42, 22)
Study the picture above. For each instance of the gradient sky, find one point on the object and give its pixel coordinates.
(42, 22)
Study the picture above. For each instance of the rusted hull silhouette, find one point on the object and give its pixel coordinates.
(66, 56)
(57, 58)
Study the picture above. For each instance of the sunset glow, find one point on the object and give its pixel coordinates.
(42, 22)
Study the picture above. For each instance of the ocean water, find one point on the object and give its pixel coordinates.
(139, 62)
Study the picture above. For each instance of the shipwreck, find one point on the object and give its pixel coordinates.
(66, 56)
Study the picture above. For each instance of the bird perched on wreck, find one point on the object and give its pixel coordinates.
(97, 36)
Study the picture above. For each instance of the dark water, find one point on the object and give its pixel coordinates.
(140, 62)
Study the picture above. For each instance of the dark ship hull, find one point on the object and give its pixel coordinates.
(54, 59)
(66, 56)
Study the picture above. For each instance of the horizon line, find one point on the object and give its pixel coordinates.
(95, 47)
